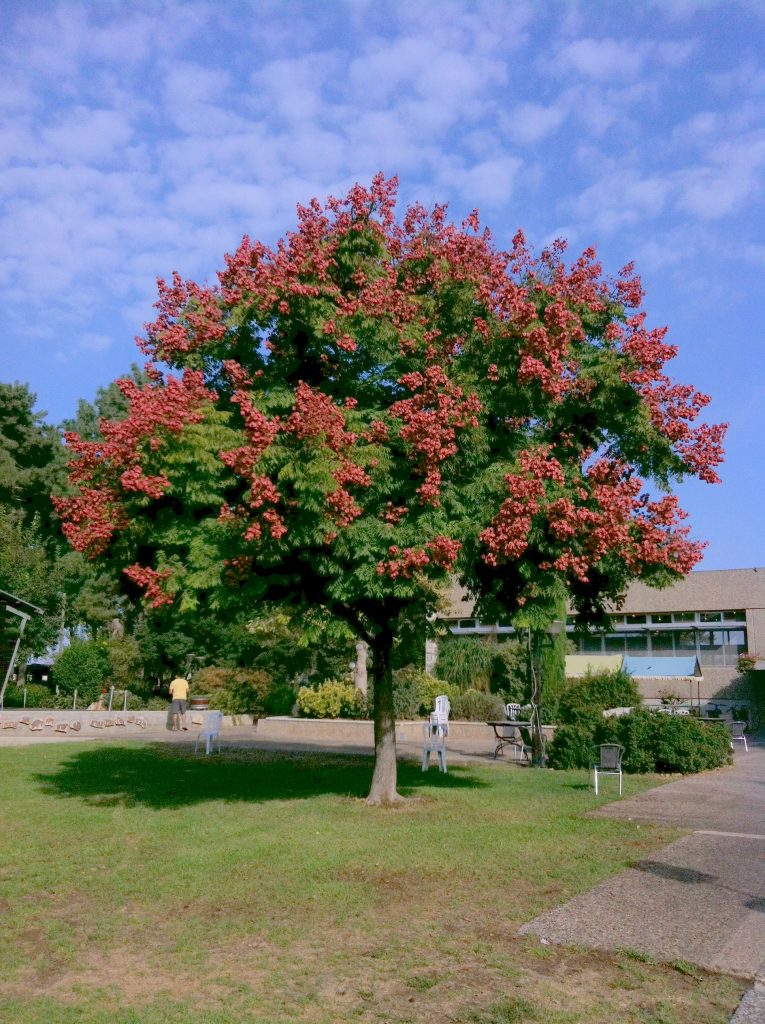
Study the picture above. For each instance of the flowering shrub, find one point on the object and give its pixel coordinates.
(746, 662)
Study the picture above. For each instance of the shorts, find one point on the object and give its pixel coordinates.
(178, 707)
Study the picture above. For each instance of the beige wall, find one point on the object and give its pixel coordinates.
(704, 590)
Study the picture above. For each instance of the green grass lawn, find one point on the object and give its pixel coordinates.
(142, 885)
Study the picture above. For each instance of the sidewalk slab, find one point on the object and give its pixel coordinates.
(701, 899)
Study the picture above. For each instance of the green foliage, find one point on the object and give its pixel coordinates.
(124, 656)
(29, 571)
(310, 645)
(652, 743)
(679, 743)
(573, 746)
(553, 659)
(428, 688)
(332, 699)
(467, 663)
(38, 696)
(414, 693)
(32, 459)
(597, 692)
(509, 671)
(234, 691)
(478, 706)
(83, 666)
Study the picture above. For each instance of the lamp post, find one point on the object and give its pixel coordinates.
(535, 639)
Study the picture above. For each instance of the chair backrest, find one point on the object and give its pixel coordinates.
(213, 721)
(737, 729)
(512, 710)
(611, 756)
(443, 707)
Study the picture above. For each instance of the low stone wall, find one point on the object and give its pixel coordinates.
(360, 732)
(17, 721)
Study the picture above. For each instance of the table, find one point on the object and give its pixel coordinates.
(508, 733)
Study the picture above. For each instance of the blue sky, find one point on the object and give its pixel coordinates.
(137, 138)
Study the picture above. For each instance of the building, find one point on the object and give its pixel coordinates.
(714, 615)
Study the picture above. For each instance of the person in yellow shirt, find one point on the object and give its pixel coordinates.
(179, 693)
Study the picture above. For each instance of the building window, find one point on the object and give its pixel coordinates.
(737, 616)
(467, 623)
(662, 643)
(683, 616)
(710, 617)
(592, 643)
(637, 643)
(634, 620)
(685, 642)
(660, 618)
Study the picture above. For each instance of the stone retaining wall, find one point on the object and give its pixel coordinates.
(360, 732)
(116, 723)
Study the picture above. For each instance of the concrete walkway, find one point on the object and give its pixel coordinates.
(701, 899)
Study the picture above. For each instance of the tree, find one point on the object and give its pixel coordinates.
(109, 404)
(28, 570)
(32, 458)
(376, 404)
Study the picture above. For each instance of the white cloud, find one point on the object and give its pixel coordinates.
(91, 342)
(489, 183)
(531, 122)
(734, 173)
(607, 59)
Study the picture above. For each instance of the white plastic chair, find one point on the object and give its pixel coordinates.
(610, 763)
(434, 733)
(736, 730)
(211, 731)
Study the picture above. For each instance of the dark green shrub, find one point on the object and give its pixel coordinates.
(38, 696)
(84, 667)
(595, 693)
(573, 746)
(234, 691)
(652, 743)
(466, 663)
(280, 700)
(681, 744)
(509, 673)
(635, 733)
(414, 693)
(477, 706)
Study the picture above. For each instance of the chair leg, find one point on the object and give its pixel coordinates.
(746, 748)
(620, 782)
(595, 773)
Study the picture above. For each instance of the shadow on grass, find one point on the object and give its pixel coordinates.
(157, 776)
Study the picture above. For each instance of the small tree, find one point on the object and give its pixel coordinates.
(376, 404)
(84, 667)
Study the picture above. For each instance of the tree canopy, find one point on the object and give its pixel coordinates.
(377, 403)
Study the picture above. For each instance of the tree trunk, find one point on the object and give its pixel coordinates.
(360, 671)
(383, 789)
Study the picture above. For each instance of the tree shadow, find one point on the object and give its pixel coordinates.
(673, 872)
(160, 776)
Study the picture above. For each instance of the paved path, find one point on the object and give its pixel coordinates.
(701, 899)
